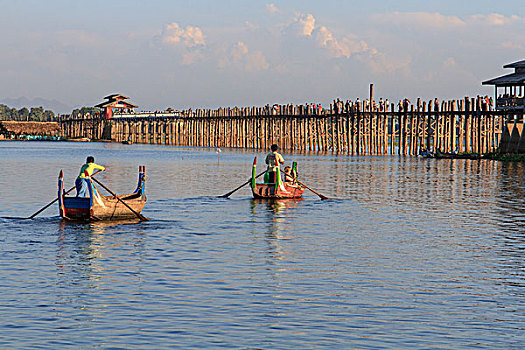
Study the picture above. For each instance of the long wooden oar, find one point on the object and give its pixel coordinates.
(317, 193)
(140, 216)
(48, 205)
(241, 186)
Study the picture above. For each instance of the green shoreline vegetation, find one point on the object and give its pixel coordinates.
(35, 114)
(38, 114)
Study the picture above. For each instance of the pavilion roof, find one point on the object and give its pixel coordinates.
(116, 101)
(116, 104)
(519, 64)
(507, 80)
(116, 97)
(513, 79)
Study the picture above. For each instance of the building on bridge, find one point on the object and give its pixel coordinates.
(116, 103)
(509, 90)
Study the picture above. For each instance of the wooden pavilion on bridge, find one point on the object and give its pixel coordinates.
(116, 103)
(509, 89)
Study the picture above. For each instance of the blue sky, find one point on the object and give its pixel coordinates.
(201, 53)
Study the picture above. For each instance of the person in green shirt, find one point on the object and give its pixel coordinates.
(82, 182)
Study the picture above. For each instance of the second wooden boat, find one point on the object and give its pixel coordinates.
(452, 155)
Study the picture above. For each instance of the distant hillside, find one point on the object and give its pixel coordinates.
(53, 105)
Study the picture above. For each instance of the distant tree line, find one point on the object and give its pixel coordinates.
(40, 115)
(23, 114)
(85, 111)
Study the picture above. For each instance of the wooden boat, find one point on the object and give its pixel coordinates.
(277, 190)
(81, 139)
(441, 155)
(97, 207)
(451, 155)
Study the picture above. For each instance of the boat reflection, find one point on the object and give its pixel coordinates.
(102, 226)
(275, 206)
(276, 215)
(89, 257)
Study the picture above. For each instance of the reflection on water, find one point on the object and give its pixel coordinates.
(414, 253)
(84, 264)
(275, 215)
(275, 212)
(414, 181)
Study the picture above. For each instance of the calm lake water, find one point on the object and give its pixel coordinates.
(413, 254)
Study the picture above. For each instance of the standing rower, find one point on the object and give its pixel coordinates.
(274, 159)
(82, 182)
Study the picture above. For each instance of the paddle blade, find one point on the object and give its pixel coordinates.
(314, 191)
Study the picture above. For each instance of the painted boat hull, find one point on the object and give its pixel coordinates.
(108, 208)
(97, 207)
(269, 191)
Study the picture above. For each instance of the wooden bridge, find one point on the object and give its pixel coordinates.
(461, 126)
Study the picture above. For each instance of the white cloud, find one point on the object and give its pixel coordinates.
(271, 8)
(421, 19)
(303, 32)
(347, 46)
(238, 51)
(438, 21)
(240, 55)
(78, 38)
(512, 45)
(380, 63)
(189, 37)
(496, 19)
(303, 24)
(324, 37)
(307, 24)
(191, 57)
(256, 61)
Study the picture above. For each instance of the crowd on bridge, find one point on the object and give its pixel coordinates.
(338, 106)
